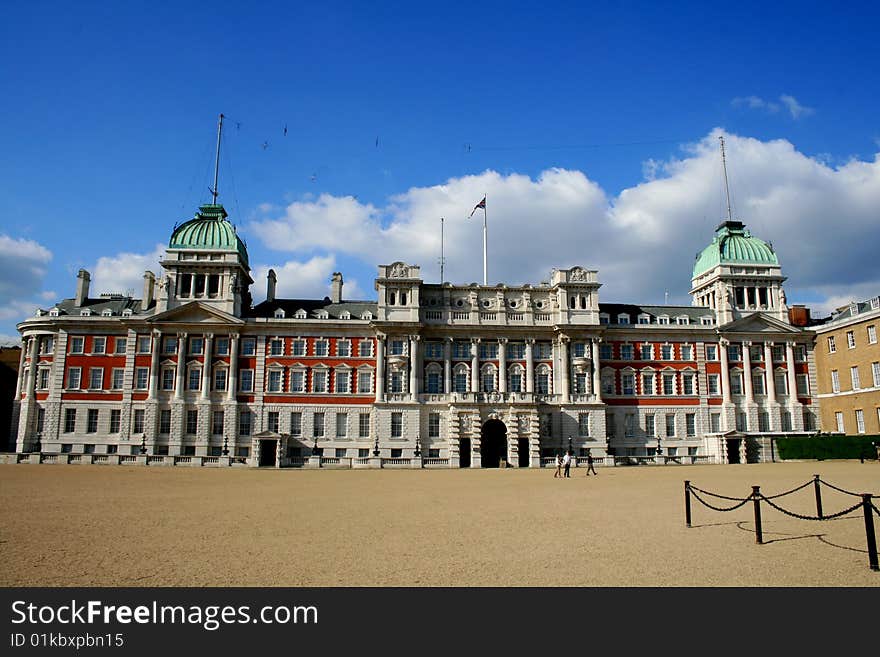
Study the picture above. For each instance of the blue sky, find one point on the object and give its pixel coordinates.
(592, 126)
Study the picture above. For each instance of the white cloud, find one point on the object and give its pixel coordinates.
(790, 103)
(753, 102)
(124, 272)
(820, 219)
(302, 280)
(794, 107)
(23, 267)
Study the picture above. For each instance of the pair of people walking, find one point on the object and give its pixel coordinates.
(563, 466)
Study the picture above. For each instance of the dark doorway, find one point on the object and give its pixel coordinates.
(267, 453)
(523, 449)
(733, 450)
(493, 444)
(464, 453)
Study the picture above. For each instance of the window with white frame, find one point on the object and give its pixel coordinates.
(579, 382)
(275, 380)
(542, 381)
(365, 348)
(515, 379)
(786, 420)
(99, 345)
(343, 348)
(854, 376)
(276, 347)
(488, 350)
(43, 378)
(319, 381)
(143, 344)
(245, 423)
(396, 381)
(780, 382)
(76, 345)
(141, 378)
(838, 418)
(758, 382)
(583, 424)
(47, 344)
(168, 378)
(608, 387)
(196, 345)
(342, 384)
(487, 379)
(628, 383)
(195, 378)
(689, 383)
(851, 339)
(363, 425)
(220, 376)
(644, 319)
(711, 352)
(164, 421)
(875, 373)
(683, 320)
(663, 319)
(433, 425)
(296, 423)
(742, 422)
(800, 353)
(137, 421)
(733, 353)
(92, 420)
(690, 424)
(460, 380)
(872, 334)
(120, 345)
(169, 345)
(803, 385)
(578, 349)
(736, 383)
(298, 347)
(648, 386)
(778, 353)
(433, 350)
(217, 423)
(116, 377)
(670, 425)
(831, 346)
(246, 381)
(96, 378)
(341, 425)
(763, 421)
(318, 424)
(248, 346)
(668, 384)
(221, 346)
(626, 352)
(650, 427)
(433, 380)
(297, 381)
(365, 381)
(687, 352)
(646, 352)
(715, 422)
(714, 381)
(396, 425)
(666, 352)
(397, 348)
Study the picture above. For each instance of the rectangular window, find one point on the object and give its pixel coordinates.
(742, 422)
(580, 382)
(756, 354)
(786, 421)
(343, 348)
(809, 421)
(838, 417)
(488, 351)
(396, 425)
(433, 382)
(321, 348)
(606, 352)
(299, 348)
(141, 378)
(733, 352)
(687, 352)
(195, 378)
(583, 424)
(650, 429)
(831, 346)
(542, 382)
(297, 381)
(99, 345)
(433, 425)
(192, 422)
(222, 346)
(220, 375)
(736, 387)
(120, 345)
(872, 334)
(169, 345)
(217, 423)
(758, 383)
(460, 382)
(778, 353)
(137, 423)
(851, 339)
(248, 346)
(690, 423)
(666, 352)
(276, 347)
(342, 380)
(543, 351)
(96, 378)
(396, 382)
(648, 384)
(168, 378)
(246, 381)
(488, 381)
(711, 352)
(668, 384)
(714, 384)
(92, 421)
(115, 417)
(165, 421)
(341, 425)
(76, 345)
(626, 352)
(296, 423)
(646, 352)
(318, 424)
(670, 426)
(854, 375)
(688, 384)
(803, 385)
(365, 348)
(69, 420)
(781, 383)
(715, 422)
(629, 424)
(43, 382)
(610, 425)
(274, 383)
(516, 351)
(196, 345)
(341, 452)
(763, 421)
(628, 382)
(363, 425)
(273, 422)
(319, 381)
(875, 373)
(245, 423)
(117, 376)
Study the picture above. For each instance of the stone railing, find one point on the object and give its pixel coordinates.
(435, 463)
(396, 462)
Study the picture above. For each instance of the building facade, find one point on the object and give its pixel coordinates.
(437, 375)
(848, 369)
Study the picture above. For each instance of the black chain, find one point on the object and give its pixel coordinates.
(723, 497)
(793, 490)
(824, 517)
(840, 489)
(716, 508)
(876, 510)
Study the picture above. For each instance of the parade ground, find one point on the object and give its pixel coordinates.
(94, 525)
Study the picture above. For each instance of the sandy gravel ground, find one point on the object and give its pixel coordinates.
(114, 525)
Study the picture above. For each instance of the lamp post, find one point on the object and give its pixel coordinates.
(144, 444)
(225, 445)
(569, 444)
(315, 448)
(418, 446)
(376, 446)
(37, 445)
(659, 448)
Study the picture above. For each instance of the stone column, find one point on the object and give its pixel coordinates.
(747, 373)
(447, 365)
(33, 346)
(22, 375)
(232, 380)
(413, 367)
(502, 365)
(530, 365)
(154, 364)
(181, 365)
(380, 368)
(725, 371)
(206, 369)
(792, 379)
(597, 375)
(475, 365)
(566, 366)
(768, 373)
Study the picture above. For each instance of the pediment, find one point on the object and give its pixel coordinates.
(759, 323)
(195, 312)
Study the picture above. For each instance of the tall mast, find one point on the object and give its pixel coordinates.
(442, 259)
(217, 164)
(485, 241)
(726, 186)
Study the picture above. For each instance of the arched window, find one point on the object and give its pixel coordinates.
(391, 298)
(433, 378)
(403, 298)
(583, 303)
(572, 301)
(461, 378)
(515, 379)
(488, 378)
(543, 380)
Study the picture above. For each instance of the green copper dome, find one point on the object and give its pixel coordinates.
(209, 229)
(734, 244)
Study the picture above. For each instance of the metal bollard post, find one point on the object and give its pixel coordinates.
(869, 531)
(756, 496)
(818, 497)
(687, 502)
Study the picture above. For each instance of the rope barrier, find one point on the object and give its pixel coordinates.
(802, 517)
(716, 508)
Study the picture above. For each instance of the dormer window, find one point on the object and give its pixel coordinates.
(706, 321)
(663, 319)
(279, 313)
(644, 318)
(682, 320)
(54, 312)
(107, 313)
(345, 315)
(367, 315)
(126, 312)
(85, 313)
(623, 318)
(322, 314)
(604, 318)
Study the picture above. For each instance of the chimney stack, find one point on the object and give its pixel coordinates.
(799, 315)
(336, 287)
(270, 285)
(82, 287)
(149, 286)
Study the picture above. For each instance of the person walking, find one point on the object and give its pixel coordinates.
(566, 463)
(558, 472)
(590, 467)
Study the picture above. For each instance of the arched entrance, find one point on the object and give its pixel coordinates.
(493, 444)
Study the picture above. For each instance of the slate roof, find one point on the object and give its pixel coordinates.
(311, 306)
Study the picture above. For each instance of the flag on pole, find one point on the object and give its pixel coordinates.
(478, 206)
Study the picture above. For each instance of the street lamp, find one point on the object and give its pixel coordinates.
(144, 444)
(225, 445)
(37, 445)
(569, 444)
(376, 446)
(659, 448)
(418, 446)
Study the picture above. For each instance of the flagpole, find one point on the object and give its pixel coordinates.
(442, 280)
(485, 241)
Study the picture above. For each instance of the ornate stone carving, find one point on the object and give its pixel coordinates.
(578, 274)
(398, 270)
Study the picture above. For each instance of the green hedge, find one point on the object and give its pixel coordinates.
(827, 447)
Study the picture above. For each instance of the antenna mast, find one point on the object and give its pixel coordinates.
(726, 186)
(442, 259)
(217, 164)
